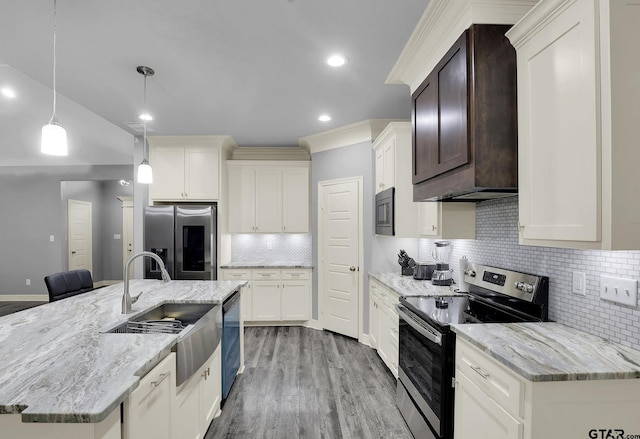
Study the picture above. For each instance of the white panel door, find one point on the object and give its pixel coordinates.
(340, 233)
(79, 235)
(127, 232)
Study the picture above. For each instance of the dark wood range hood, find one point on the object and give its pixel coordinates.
(464, 121)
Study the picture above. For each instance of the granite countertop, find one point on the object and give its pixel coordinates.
(267, 264)
(57, 365)
(552, 352)
(408, 286)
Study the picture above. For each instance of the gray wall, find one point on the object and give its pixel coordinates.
(31, 212)
(349, 161)
(106, 219)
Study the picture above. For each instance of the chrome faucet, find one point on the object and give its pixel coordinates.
(127, 300)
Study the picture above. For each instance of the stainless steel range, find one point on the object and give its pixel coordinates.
(425, 392)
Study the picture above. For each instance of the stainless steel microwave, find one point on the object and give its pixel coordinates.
(385, 212)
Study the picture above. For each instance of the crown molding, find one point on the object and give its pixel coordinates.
(271, 153)
(442, 22)
(222, 141)
(359, 132)
(393, 129)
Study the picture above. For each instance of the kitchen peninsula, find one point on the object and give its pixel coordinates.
(59, 367)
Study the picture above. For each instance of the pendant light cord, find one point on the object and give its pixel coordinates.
(144, 121)
(53, 116)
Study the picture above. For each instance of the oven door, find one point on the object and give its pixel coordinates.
(424, 372)
(384, 212)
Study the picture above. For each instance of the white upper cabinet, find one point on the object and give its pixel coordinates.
(268, 197)
(578, 108)
(186, 168)
(385, 164)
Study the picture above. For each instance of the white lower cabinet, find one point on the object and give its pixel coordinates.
(383, 324)
(492, 401)
(148, 410)
(274, 295)
(198, 400)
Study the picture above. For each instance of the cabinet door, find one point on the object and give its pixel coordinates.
(296, 300)
(558, 115)
(440, 116)
(379, 170)
(167, 163)
(268, 200)
(148, 410)
(246, 303)
(389, 162)
(374, 306)
(477, 415)
(429, 219)
(392, 339)
(187, 409)
(448, 220)
(210, 390)
(242, 201)
(266, 300)
(295, 200)
(202, 166)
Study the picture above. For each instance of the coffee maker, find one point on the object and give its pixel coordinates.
(442, 273)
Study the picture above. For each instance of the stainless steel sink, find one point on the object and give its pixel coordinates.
(198, 326)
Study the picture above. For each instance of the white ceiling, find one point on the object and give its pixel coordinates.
(251, 69)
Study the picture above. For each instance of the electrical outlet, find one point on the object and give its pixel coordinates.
(579, 283)
(619, 290)
(28, 282)
(52, 238)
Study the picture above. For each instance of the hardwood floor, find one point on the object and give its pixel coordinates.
(11, 307)
(303, 383)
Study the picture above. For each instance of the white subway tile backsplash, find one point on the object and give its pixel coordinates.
(271, 248)
(497, 245)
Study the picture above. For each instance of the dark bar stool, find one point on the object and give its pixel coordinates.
(68, 283)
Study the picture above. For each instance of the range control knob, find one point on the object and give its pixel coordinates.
(523, 286)
(469, 272)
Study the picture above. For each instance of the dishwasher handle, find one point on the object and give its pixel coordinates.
(231, 301)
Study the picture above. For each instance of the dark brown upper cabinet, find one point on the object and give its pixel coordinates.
(464, 121)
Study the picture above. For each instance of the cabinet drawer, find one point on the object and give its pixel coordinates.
(502, 385)
(236, 274)
(295, 274)
(267, 274)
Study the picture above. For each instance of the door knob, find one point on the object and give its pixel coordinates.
(352, 268)
(73, 252)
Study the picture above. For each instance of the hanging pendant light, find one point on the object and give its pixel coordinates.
(54, 136)
(145, 173)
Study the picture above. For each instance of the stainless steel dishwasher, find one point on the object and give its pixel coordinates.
(230, 341)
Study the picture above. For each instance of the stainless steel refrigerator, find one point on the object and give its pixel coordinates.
(185, 239)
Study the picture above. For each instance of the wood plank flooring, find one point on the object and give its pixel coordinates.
(11, 307)
(303, 383)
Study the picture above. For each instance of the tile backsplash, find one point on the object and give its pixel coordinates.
(496, 244)
(271, 248)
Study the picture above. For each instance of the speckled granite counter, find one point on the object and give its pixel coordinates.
(267, 264)
(552, 352)
(56, 365)
(408, 286)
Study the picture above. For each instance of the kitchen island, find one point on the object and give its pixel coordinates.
(58, 364)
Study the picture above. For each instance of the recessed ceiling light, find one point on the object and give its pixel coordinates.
(145, 116)
(336, 60)
(7, 92)
(324, 118)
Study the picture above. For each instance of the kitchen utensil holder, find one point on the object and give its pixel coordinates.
(407, 271)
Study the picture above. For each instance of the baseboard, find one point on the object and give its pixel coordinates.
(24, 297)
(365, 340)
(313, 324)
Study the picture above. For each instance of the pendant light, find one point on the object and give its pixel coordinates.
(145, 173)
(54, 137)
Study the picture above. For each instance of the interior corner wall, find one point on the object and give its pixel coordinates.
(31, 213)
(349, 161)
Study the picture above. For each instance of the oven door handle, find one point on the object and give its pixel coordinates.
(423, 329)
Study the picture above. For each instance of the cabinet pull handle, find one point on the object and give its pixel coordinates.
(162, 377)
(477, 370)
(433, 228)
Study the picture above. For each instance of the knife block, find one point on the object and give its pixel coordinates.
(407, 271)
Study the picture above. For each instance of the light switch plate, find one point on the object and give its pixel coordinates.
(619, 290)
